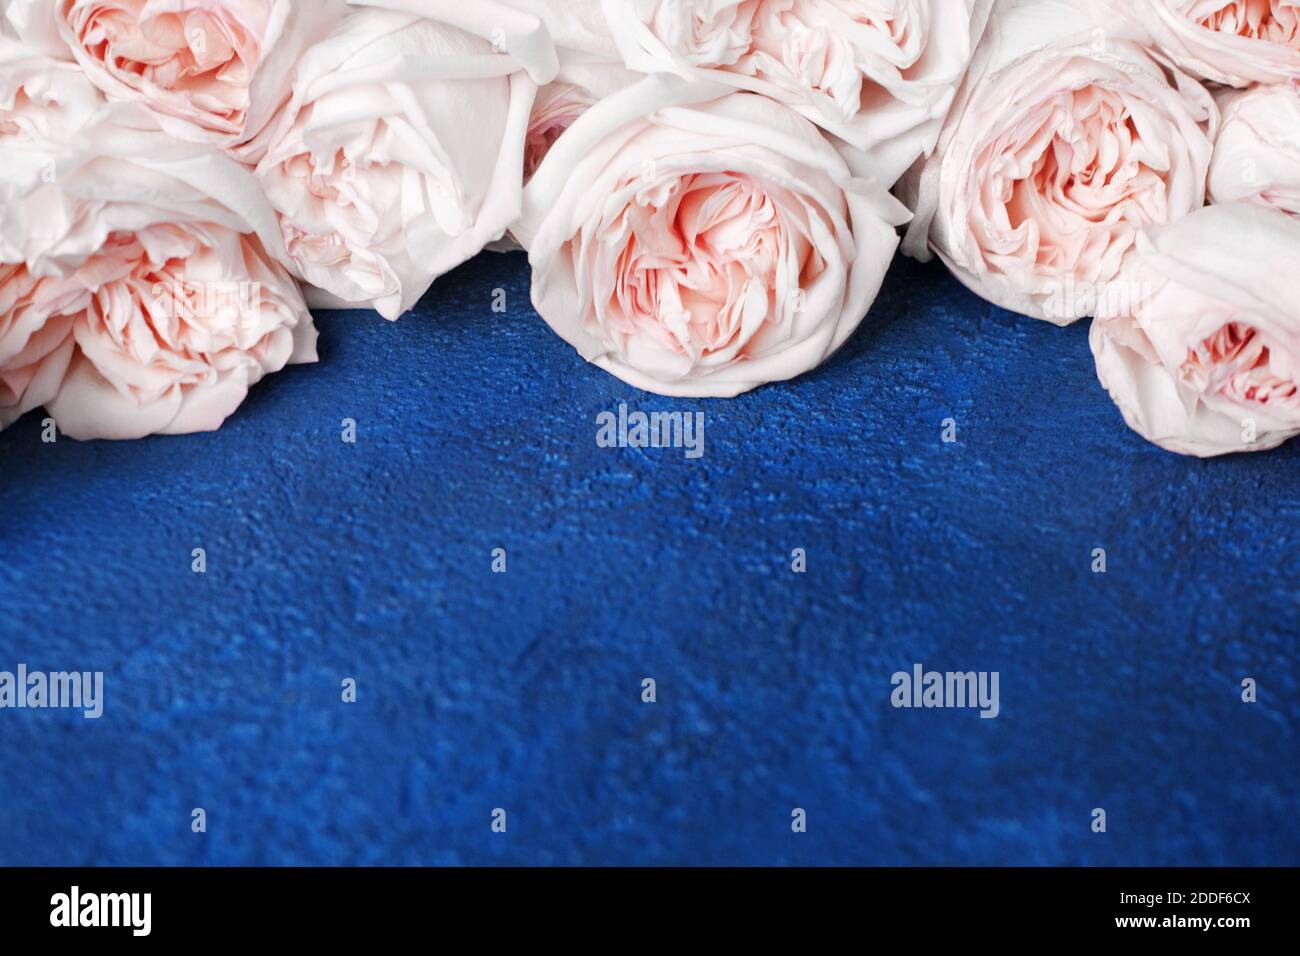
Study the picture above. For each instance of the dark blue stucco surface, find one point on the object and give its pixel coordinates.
(522, 690)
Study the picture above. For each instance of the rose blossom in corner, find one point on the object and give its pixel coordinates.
(212, 71)
(1257, 154)
(176, 323)
(1063, 143)
(43, 104)
(1202, 355)
(1233, 42)
(140, 294)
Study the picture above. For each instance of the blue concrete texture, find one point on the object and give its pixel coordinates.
(522, 690)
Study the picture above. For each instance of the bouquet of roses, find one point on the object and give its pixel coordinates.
(709, 191)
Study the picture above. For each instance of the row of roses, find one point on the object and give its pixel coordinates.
(1071, 180)
(709, 190)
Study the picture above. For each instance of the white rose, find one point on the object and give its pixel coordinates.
(1199, 344)
(698, 243)
(139, 287)
(399, 157)
(1257, 154)
(1063, 143)
(212, 71)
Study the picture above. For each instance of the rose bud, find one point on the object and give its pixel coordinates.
(399, 157)
(145, 296)
(699, 243)
(1234, 42)
(212, 71)
(1257, 154)
(1062, 144)
(1199, 343)
(881, 76)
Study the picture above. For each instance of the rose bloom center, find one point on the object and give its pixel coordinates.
(1068, 186)
(206, 55)
(697, 260)
(1236, 362)
(1257, 19)
(163, 318)
(801, 44)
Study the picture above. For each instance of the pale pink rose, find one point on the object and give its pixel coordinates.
(76, 170)
(399, 157)
(1202, 351)
(1257, 154)
(180, 322)
(1063, 143)
(880, 74)
(212, 71)
(137, 294)
(696, 243)
(1234, 42)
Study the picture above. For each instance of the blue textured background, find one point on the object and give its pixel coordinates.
(477, 690)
